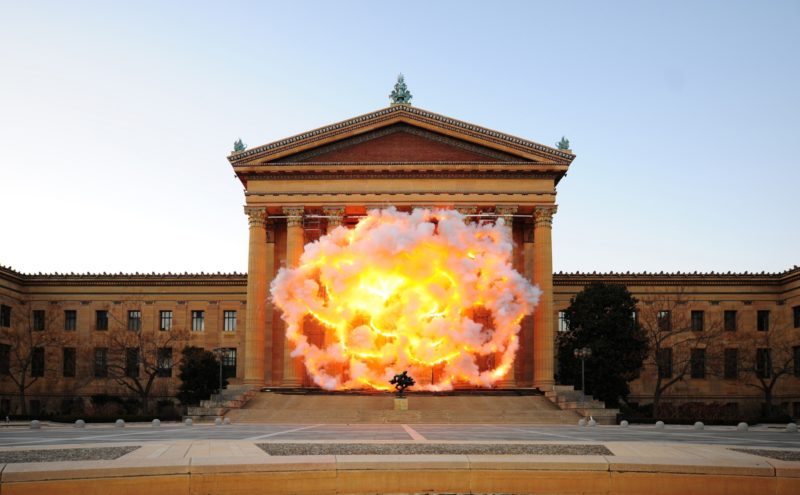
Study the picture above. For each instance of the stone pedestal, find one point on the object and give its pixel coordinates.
(401, 404)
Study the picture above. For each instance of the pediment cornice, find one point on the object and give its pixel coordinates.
(506, 143)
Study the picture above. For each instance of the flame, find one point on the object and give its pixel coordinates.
(419, 291)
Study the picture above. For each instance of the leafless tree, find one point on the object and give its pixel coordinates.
(674, 334)
(138, 356)
(25, 342)
(768, 357)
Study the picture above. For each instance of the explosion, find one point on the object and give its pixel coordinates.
(420, 291)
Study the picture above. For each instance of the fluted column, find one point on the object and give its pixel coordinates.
(256, 296)
(543, 332)
(507, 212)
(335, 215)
(292, 367)
(468, 212)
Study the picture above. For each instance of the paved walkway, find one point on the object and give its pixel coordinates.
(760, 437)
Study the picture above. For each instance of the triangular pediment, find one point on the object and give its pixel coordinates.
(400, 134)
(399, 143)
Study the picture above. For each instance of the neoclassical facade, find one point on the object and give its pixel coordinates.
(299, 188)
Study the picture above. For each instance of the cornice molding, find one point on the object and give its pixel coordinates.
(405, 175)
(393, 112)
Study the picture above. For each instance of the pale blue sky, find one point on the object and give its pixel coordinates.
(116, 119)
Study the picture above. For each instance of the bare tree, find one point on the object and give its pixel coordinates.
(768, 357)
(24, 344)
(675, 332)
(138, 356)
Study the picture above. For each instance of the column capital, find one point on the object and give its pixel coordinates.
(505, 210)
(294, 215)
(543, 215)
(335, 215)
(256, 216)
(467, 210)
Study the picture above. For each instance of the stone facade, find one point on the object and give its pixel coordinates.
(298, 188)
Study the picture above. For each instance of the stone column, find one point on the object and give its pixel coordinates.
(468, 210)
(507, 214)
(543, 332)
(335, 216)
(256, 296)
(292, 367)
(269, 311)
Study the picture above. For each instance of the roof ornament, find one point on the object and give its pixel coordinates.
(238, 146)
(400, 95)
(563, 144)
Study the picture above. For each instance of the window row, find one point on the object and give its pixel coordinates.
(762, 366)
(134, 320)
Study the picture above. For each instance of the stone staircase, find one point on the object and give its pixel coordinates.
(276, 407)
(232, 397)
(569, 399)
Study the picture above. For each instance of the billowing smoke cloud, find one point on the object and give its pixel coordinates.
(419, 291)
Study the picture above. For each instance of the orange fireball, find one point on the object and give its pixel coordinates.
(420, 291)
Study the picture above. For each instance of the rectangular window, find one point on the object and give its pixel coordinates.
(165, 362)
(762, 320)
(730, 320)
(37, 362)
(664, 362)
(135, 320)
(70, 355)
(698, 321)
(100, 362)
(5, 316)
(763, 363)
(229, 321)
(664, 320)
(229, 362)
(796, 316)
(101, 319)
(70, 320)
(562, 321)
(698, 363)
(198, 321)
(796, 355)
(5, 359)
(132, 362)
(38, 320)
(166, 321)
(731, 364)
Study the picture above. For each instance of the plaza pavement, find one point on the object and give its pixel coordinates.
(175, 458)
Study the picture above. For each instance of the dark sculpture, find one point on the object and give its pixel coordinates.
(238, 146)
(563, 144)
(400, 95)
(401, 382)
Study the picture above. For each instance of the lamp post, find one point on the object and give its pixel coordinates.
(583, 354)
(220, 352)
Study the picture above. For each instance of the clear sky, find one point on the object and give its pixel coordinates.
(116, 119)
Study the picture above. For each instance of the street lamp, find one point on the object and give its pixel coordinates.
(221, 352)
(583, 354)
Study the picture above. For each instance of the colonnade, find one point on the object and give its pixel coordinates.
(259, 349)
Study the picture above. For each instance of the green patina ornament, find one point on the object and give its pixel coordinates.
(563, 144)
(238, 146)
(400, 95)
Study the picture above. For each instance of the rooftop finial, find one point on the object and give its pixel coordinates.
(400, 95)
(563, 144)
(238, 146)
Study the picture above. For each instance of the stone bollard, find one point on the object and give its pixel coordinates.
(581, 422)
(218, 422)
(188, 422)
(659, 425)
(624, 423)
(742, 426)
(156, 422)
(226, 421)
(80, 423)
(791, 428)
(35, 424)
(699, 425)
(120, 423)
(592, 422)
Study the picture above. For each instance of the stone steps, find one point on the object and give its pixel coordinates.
(567, 398)
(269, 407)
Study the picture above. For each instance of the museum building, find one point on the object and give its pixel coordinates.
(298, 189)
